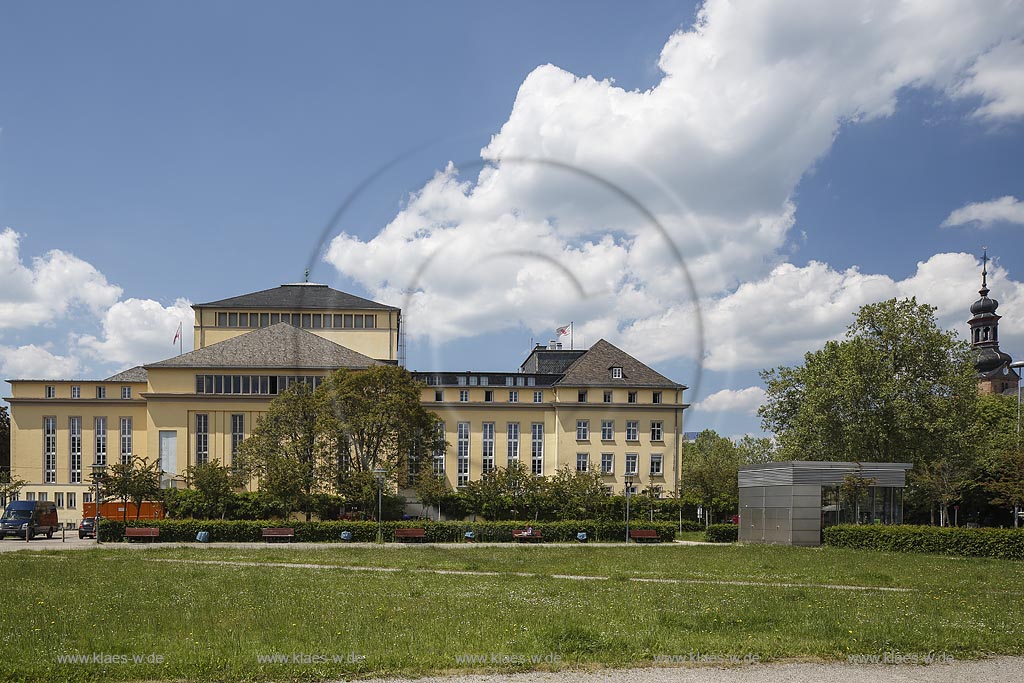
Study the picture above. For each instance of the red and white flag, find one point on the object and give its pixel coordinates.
(564, 330)
(177, 335)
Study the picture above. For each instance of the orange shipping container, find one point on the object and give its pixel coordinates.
(116, 510)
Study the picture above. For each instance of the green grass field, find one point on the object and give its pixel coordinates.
(407, 610)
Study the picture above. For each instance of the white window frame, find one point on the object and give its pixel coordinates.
(657, 430)
(537, 448)
(487, 441)
(462, 464)
(76, 391)
(538, 396)
(126, 439)
(464, 396)
(75, 449)
(582, 462)
(512, 442)
(50, 391)
(439, 453)
(657, 465)
(607, 430)
(126, 393)
(634, 459)
(513, 397)
(583, 430)
(607, 463)
(632, 430)
(202, 423)
(50, 449)
(616, 372)
(100, 431)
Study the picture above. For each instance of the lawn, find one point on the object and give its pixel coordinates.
(408, 610)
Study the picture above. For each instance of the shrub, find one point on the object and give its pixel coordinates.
(185, 530)
(1002, 543)
(722, 533)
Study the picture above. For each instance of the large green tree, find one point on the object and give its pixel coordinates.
(136, 480)
(708, 472)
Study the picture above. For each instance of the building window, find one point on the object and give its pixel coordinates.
(462, 475)
(101, 392)
(631, 397)
(632, 430)
(520, 381)
(631, 463)
(582, 462)
(509, 381)
(461, 380)
(607, 430)
(488, 446)
(616, 373)
(489, 396)
(126, 392)
(538, 397)
(513, 442)
(75, 449)
(30, 496)
(44, 496)
(237, 434)
(100, 426)
(202, 438)
(484, 382)
(438, 394)
(126, 440)
(656, 430)
(51, 391)
(464, 396)
(582, 430)
(630, 489)
(581, 396)
(656, 464)
(58, 499)
(49, 450)
(607, 397)
(72, 503)
(656, 397)
(76, 392)
(531, 381)
(656, 491)
(513, 397)
(87, 497)
(537, 448)
(222, 320)
(473, 381)
(439, 451)
(607, 463)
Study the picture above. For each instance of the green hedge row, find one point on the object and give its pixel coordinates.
(436, 532)
(1003, 543)
(722, 533)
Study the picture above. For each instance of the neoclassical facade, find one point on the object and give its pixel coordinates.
(598, 408)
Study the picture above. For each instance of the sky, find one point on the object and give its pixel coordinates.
(714, 187)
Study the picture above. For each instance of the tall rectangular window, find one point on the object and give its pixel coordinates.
(632, 430)
(631, 463)
(100, 426)
(71, 500)
(582, 396)
(126, 440)
(222, 320)
(656, 430)
(513, 442)
(202, 438)
(607, 430)
(438, 394)
(462, 473)
(126, 392)
(656, 464)
(631, 397)
(513, 397)
(75, 449)
(537, 448)
(582, 430)
(51, 391)
(488, 446)
(607, 463)
(76, 392)
(49, 450)
(237, 434)
(656, 397)
(439, 451)
(101, 392)
(582, 462)
(489, 396)
(607, 397)
(58, 499)
(538, 397)
(464, 396)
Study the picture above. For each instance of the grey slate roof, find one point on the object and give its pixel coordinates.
(278, 346)
(593, 368)
(304, 295)
(136, 374)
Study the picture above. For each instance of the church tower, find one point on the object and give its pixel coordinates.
(993, 366)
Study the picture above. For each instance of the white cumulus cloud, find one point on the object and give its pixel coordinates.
(997, 77)
(139, 331)
(1006, 209)
(733, 401)
(36, 362)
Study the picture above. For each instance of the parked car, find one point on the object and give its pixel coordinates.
(32, 516)
(87, 528)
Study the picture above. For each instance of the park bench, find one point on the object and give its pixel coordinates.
(520, 536)
(644, 536)
(286, 533)
(410, 535)
(151, 533)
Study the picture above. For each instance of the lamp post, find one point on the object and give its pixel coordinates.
(1017, 366)
(379, 473)
(628, 478)
(97, 473)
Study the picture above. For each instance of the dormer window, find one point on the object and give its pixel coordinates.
(616, 373)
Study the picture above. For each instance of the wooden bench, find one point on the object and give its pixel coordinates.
(286, 533)
(152, 533)
(644, 536)
(405, 535)
(520, 536)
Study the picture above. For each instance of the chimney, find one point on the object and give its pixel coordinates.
(552, 345)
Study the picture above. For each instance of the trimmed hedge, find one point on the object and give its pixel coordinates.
(436, 532)
(722, 533)
(1002, 543)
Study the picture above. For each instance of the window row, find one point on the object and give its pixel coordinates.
(608, 430)
(631, 464)
(75, 446)
(61, 499)
(307, 321)
(76, 392)
(583, 395)
(488, 458)
(483, 381)
(202, 436)
(252, 384)
(513, 396)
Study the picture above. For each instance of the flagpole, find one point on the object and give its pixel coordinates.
(571, 330)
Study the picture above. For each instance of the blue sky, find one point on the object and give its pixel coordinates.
(802, 161)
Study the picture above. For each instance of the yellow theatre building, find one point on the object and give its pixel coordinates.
(598, 408)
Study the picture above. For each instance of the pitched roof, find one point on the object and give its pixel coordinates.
(593, 368)
(136, 374)
(278, 346)
(304, 295)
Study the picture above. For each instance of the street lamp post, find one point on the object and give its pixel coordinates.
(97, 473)
(379, 474)
(1017, 366)
(628, 478)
